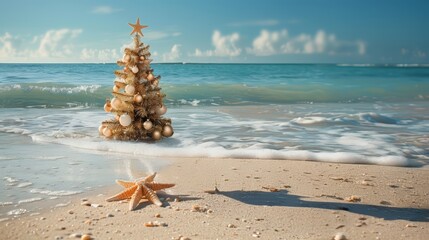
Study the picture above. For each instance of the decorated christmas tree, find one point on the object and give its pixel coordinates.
(137, 99)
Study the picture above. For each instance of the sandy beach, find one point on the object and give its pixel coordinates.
(266, 199)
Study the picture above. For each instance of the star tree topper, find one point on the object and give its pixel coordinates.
(137, 28)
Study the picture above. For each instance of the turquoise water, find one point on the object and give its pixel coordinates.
(63, 85)
(336, 113)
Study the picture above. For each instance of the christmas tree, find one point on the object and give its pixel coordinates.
(138, 101)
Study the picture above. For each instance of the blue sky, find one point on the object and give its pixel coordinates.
(288, 31)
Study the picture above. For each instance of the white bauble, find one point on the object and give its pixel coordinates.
(156, 135)
(116, 103)
(162, 110)
(147, 125)
(135, 69)
(125, 120)
(107, 132)
(130, 89)
(167, 131)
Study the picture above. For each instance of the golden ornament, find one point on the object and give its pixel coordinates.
(142, 58)
(150, 77)
(156, 135)
(107, 132)
(107, 107)
(138, 98)
(137, 28)
(167, 131)
(162, 110)
(116, 103)
(147, 125)
(126, 58)
(101, 128)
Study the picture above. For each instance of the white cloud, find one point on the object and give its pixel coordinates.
(264, 44)
(52, 45)
(225, 46)
(56, 43)
(7, 50)
(173, 55)
(96, 55)
(104, 10)
(420, 54)
(280, 42)
(322, 42)
(266, 22)
(361, 47)
(416, 53)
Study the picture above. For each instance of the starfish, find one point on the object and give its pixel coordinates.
(137, 28)
(139, 189)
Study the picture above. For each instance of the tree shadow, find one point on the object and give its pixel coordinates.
(283, 199)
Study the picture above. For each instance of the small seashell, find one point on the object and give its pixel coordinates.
(360, 224)
(75, 235)
(96, 205)
(86, 237)
(340, 236)
(70, 212)
(196, 208)
(149, 224)
(340, 226)
(85, 203)
(352, 198)
(215, 191)
(231, 226)
(157, 215)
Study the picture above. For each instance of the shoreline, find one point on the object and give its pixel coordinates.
(267, 199)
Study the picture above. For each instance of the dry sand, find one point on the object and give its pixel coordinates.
(266, 199)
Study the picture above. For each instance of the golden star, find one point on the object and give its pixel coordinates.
(137, 28)
(140, 189)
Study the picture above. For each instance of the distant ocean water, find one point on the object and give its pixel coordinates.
(336, 113)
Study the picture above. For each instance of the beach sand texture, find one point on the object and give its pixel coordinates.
(266, 199)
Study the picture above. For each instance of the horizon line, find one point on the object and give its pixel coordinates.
(250, 63)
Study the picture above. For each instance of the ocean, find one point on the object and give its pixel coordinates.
(358, 114)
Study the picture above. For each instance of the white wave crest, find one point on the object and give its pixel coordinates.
(214, 150)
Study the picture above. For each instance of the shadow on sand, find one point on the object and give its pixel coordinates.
(283, 199)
